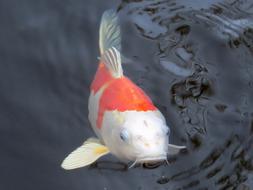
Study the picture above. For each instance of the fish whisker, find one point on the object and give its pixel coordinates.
(167, 161)
(133, 164)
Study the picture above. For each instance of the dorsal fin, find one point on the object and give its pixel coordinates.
(112, 60)
(109, 32)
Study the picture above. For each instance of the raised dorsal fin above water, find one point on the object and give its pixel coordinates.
(109, 32)
(112, 60)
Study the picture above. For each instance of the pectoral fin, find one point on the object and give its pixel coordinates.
(84, 155)
(174, 149)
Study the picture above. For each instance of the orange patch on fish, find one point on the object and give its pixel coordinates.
(102, 76)
(122, 94)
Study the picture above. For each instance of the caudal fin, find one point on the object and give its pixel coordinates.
(110, 43)
(109, 32)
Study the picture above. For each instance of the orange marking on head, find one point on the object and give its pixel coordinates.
(123, 95)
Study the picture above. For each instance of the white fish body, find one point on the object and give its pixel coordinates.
(124, 119)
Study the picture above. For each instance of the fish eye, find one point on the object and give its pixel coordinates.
(124, 135)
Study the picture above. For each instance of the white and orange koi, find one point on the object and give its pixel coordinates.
(125, 120)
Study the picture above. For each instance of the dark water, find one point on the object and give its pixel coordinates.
(193, 58)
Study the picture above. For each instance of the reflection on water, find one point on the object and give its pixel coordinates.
(207, 53)
(221, 168)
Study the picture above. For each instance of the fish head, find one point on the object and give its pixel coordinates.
(143, 137)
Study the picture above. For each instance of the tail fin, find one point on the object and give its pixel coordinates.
(109, 32)
(110, 43)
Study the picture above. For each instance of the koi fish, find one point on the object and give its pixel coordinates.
(123, 117)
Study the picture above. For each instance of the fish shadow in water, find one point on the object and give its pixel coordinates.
(109, 165)
(120, 166)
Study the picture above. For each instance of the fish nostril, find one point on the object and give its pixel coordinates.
(158, 141)
(145, 123)
(146, 144)
(139, 137)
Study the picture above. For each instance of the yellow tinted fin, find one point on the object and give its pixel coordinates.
(84, 155)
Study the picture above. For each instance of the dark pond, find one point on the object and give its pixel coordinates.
(193, 58)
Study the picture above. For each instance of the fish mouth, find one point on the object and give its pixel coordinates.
(149, 160)
(152, 159)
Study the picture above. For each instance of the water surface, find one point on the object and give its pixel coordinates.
(193, 58)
